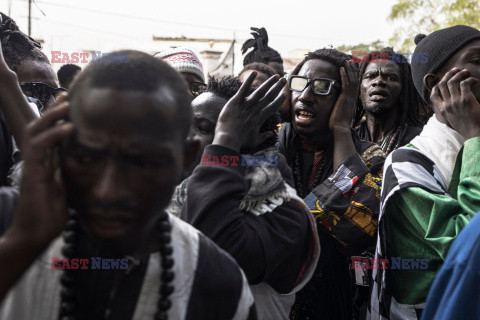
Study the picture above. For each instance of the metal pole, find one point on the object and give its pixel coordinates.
(29, 18)
(233, 54)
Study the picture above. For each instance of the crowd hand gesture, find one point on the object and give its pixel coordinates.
(454, 100)
(344, 108)
(239, 122)
(42, 210)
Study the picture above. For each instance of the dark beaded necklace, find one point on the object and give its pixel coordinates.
(67, 293)
(302, 188)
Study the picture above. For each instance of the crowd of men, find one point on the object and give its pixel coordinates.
(141, 190)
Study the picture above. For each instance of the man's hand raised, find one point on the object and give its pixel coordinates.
(42, 208)
(239, 122)
(344, 109)
(453, 99)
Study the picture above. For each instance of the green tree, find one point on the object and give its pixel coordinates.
(362, 47)
(426, 16)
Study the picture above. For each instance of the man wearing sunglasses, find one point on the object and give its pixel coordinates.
(337, 175)
(186, 62)
(41, 91)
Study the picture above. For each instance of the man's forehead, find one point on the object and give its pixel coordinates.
(38, 71)
(388, 66)
(128, 115)
(108, 105)
(129, 144)
(464, 52)
(316, 68)
(208, 102)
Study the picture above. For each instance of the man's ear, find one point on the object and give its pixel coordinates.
(192, 147)
(430, 80)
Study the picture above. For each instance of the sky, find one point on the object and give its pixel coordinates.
(106, 25)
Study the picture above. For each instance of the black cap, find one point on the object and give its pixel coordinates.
(439, 46)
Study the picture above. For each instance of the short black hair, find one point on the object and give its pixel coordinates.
(141, 72)
(261, 51)
(227, 87)
(333, 56)
(17, 46)
(261, 67)
(413, 109)
(66, 73)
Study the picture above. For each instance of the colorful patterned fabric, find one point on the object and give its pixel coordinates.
(345, 204)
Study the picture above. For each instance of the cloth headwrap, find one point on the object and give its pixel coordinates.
(182, 60)
(438, 47)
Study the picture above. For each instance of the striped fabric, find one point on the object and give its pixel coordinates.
(405, 167)
(208, 284)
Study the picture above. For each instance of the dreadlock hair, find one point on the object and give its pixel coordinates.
(260, 67)
(411, 104)
(226, 88)
(66, 73)
(261, 51)
(17, 46)
(147, 74)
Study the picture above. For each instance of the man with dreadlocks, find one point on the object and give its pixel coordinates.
(388, 100)
(242, 196)
(431, 186)
(337, 174)
(120, 146)
(261, 51)
(24, 56)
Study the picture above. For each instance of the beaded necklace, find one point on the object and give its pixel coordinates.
(67, 293)
(304, 189)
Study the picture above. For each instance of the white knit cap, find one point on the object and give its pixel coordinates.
(183, 60)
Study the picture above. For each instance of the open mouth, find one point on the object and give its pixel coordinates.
(304, 115)
(378, 95)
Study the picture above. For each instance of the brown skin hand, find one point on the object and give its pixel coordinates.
(468, 57)
(239, 123)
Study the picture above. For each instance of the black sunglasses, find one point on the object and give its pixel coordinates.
(320, 86)
(41, 91)
(197, 87)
